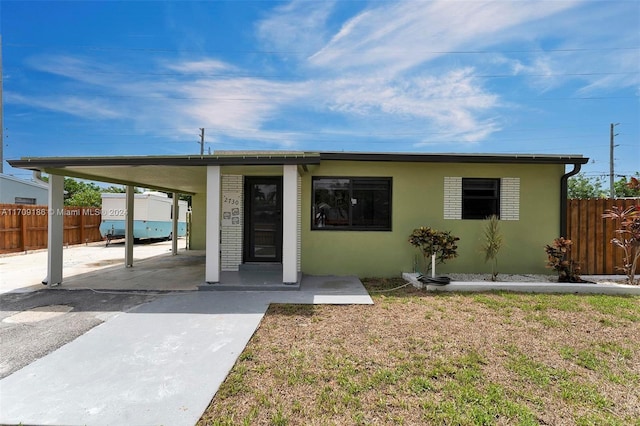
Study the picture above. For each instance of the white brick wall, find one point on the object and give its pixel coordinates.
(510, 198)
(452, 197)
(231, 235)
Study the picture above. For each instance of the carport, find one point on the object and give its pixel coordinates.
(199, 176)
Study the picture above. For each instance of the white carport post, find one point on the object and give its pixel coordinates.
(174, 229)
(128, 227)
(290, 224)
(212, 245)
(56, 230)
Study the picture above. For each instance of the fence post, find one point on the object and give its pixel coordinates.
(23, 231)
(82, 225)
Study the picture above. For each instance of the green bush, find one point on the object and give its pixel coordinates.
(430, 241)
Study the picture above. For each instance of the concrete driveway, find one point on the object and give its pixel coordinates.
(157, 359)
(24, 272)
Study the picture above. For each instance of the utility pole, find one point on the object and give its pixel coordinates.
(201, 140)
(611, 146)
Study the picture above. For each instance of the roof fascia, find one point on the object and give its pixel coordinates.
(39, 163)
(456, 158)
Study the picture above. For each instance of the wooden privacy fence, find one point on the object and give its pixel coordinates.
(24, 227)
(591, 234)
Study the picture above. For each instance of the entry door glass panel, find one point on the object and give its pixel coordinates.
(263, 242)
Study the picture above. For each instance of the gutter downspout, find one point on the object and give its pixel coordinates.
(563, 198)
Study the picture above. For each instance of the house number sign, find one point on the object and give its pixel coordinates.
(231, 208)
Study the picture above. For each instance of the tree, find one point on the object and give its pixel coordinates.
(432, 242)
(83, 194)
(116, 189)
(627, 188)
(581, 186)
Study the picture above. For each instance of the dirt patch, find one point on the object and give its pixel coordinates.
(422, 358)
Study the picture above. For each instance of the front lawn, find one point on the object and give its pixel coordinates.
(424, 358)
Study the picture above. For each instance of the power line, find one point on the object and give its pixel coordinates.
(308, 52)
(267, 100)
(282, 75)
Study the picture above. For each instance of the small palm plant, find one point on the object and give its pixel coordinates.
(492, 244)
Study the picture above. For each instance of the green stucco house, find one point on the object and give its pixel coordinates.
(325, 213)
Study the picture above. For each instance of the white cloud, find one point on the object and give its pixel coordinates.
(400, 35)
(295, 26)
(229, 106)
(238, 107)
(91, 109)
(388, 63)
(451, 105)
(201, 66)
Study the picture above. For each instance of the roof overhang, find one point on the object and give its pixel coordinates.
(187, 174)
(184, 174)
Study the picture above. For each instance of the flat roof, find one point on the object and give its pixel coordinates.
(187, 173)
(456, 157)
(24, 182)
(248, 158)
(243, 159)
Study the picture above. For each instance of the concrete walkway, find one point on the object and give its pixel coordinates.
(159, 364)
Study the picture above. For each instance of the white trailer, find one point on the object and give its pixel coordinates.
(152, 216)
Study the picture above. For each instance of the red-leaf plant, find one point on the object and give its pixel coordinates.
(559, 259)
(628, 222)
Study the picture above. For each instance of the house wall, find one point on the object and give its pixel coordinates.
(11, 187)
(418, 199)
(198, 240)
(231, 235)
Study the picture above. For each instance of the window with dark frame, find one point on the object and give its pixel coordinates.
(24, 200)
(480, 198)
(362, 204)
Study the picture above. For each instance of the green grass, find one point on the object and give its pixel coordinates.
(620, 307)
(456, 359)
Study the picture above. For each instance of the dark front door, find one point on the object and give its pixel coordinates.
(263, 219)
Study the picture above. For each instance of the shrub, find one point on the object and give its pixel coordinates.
(559, 259)
(430, 241)
(628, 222)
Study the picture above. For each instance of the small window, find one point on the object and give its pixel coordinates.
(480, 198)
(24, 200)
(352, 204)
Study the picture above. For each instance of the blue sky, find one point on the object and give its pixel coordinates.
(85, 78)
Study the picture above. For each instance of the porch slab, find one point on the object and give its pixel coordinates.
(252, 280)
